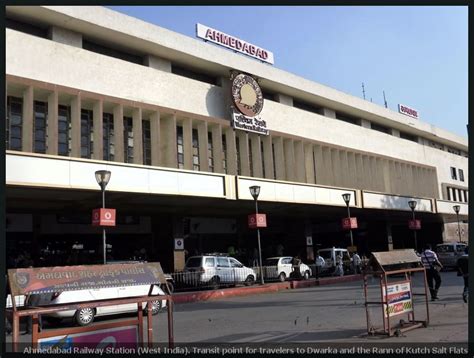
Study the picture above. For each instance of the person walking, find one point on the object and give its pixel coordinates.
(319, 262)
(463, 270)
(432, 265)
(356, 261)
(339, 271)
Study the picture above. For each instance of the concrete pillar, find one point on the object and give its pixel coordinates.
(365, 123)
(244, 153)
(336, 166)
(359, 171)
(76, 126)
(217, 151)
(157, 63)
(178, 233)
(284, 99)
(97, 113)
(168, 147)
(299, 161)
(118, 134)
(319, 164)
(256, 155)
(231, 150)
(348, 175)
(203, 146)
(309, 163)
(188, 143)
(52, 128)
(351, 162)
(367, 180)
(64, 36)
(279, 158)
(27, 125)
(155, 138)
(328, 173)
(395, 132)
(137, 136)
(290, 166)
(268, 156)
(327, 112)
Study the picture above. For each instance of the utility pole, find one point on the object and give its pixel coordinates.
(363, 90)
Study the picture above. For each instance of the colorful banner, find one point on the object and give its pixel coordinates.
(398, 298)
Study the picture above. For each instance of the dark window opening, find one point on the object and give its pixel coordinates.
(40, 125)
(87, 131)
(26, 28)
(64, 127)
(307, 106)
(250, 157)
(348, 118)
(274, 161)
(128, 139)
(196, 164)
(380, 128)
(146, 142)
(461, 175)
(263, 158)
(407, 136)
(179, 142)
(210, 149)
(108, 136)
(111, 52)
(14, 123)
(224, 154)
(453, 173)
(180, 71)
(239, 163)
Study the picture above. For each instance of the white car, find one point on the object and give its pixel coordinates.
(215, 270)
(85, 316)
(282, 268)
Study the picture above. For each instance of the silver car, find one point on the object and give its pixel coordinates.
(282, 268)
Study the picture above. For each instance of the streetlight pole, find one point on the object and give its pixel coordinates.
(456, 210)
(412, 205)
(255, 191)
(347, 199)
(103, 177)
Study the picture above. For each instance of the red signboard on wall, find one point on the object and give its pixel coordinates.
(257, 220)
(349, 223)
(414, 224)
(103, 217)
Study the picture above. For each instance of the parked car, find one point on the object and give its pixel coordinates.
(329, 256)
(85, 316)
(281, 268)
(449, 253)
(216, 270)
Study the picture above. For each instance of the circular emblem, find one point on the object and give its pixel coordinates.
(22, 279)
(108, 215)
(247, 95)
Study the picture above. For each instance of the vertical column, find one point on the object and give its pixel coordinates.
(168, 146)
(336, 166)
(231, 151)
(309, 163)
(188, 143)
(359, 167)
(98, 130)
(27, 126)
(268, 156)
(137, 136)
(155, 138)
(328, 174)
(256, 156)
(279, 158)
(216, 131)
(76, 126)
(352, 173)
(319, 164)
(378, 180)
(365, 164)
(244, 152)
(52, 140)
(347, 174)
(118, 134)
(289, 159)
(299, 161)
(203, 146)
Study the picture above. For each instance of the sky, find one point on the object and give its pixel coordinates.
(417, 55)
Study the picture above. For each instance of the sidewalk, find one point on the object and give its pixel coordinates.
(195, 296)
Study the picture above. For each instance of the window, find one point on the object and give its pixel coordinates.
(379, 128)
(237, 147)
(223, 262)
(210, 158)
(224, 154)
(274, 162)
(146, 142)
(209, 262)
(196, 165)
(14, 123)
(307, 106)
(198, 76)
(108, 136)
(234, 262)
(453, 173)
(41, 116)
(407, 136)
(466, 198)
(347, 118)
(87, 144)
(64, 125)
(250, 157)
(111, 52)
(263, 158)
(128, 139)
(454, 194)
(26, 28)
(179, 141)
(461, 175)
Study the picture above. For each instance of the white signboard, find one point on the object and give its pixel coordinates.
(179, 244)
(233, 43)
(398, 297)
(408, 111)
(255, 124)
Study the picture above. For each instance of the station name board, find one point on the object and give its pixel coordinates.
(408, 111)
(233, 43)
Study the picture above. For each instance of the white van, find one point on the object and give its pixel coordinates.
(329, 256)
(448, 253)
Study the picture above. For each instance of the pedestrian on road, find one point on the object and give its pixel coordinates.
(296, 262)
(433, 266)
(339, 271)
(463, 270)
(319, 262)
(356, 261)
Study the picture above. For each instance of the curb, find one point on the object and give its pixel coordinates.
(188, 297)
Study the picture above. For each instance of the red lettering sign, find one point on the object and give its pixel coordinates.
(408, 111)
(414, 224)
(103, 217)
(257, 220)
(349, 223)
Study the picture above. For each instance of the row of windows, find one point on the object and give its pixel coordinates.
(454, 175)
(14, 122)
(455, 194)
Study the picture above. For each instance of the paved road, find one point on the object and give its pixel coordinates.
(333, 313)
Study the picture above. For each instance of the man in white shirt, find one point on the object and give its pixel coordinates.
(320, 263)
(356, 261)
(431, 263)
